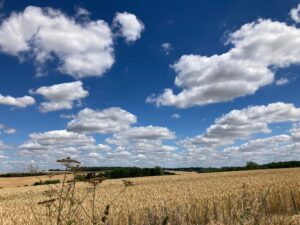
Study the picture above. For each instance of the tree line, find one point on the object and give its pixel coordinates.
(249, 166)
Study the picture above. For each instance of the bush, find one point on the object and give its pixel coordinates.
(87, 176)
(46, 182)
(135, 172)
(22, 174)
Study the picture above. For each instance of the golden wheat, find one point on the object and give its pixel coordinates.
(248, 197)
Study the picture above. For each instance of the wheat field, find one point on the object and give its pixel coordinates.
(248, 197)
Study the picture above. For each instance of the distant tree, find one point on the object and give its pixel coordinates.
(251, 165)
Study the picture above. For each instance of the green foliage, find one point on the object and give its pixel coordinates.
(123, 172)
(46, 182)
(249, 166)
(135, 172)
(252, 165)
(88, 176)
(22, 174)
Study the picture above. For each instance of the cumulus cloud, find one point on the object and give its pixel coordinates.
(144, 145)
(257, 48)
(51, 145)
(231, 140)
(128, 26)
(110, 120)
(269, 149)
(282, 147)
(295, 14)
(95, 155)
(127, 143)
(96, 148)
(142, 133)
(61, 96)
(241, 124)
(259, 144)
(19, 102)
(82, 48)
(60, 137)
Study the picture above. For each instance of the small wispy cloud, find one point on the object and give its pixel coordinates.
(295, 14)
(67, 116)
(82, 12)
(6, 129)
(282, 81)
(175, 116)
(166, 47)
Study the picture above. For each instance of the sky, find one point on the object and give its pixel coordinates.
(149, 83)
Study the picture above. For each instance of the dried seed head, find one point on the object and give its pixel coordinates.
(69, 162)
(96, 181)
(47, 202)
(50, 192)
(127, 183)
(106, 212)
(33, 168)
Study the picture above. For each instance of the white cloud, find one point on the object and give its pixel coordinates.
(241, 124)
(110, 120)
(166, 47)
(52, 145)
(20, 102)
(95, 155)
(175, 116)
(49, 146)
(258, 47)
(3, 157)
(142, 145)
(129, 26)
(10, 131)
(127, 144)
(295, 14)
(283, 147)
(142, 133)
(6, 129)
(61, 96)
(282, 81)
(82, 12)
(96, 148)
(1, 145)
(60, 137)
(67, 116)
(82, 48)
(259, 144)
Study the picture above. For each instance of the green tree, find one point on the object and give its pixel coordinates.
(251, 165)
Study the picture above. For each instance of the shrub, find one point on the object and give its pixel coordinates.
(135, 172)
(46, 182)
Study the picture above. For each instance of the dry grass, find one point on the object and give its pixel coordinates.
(254, 197)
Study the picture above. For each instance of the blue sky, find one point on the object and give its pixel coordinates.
(88, 79)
